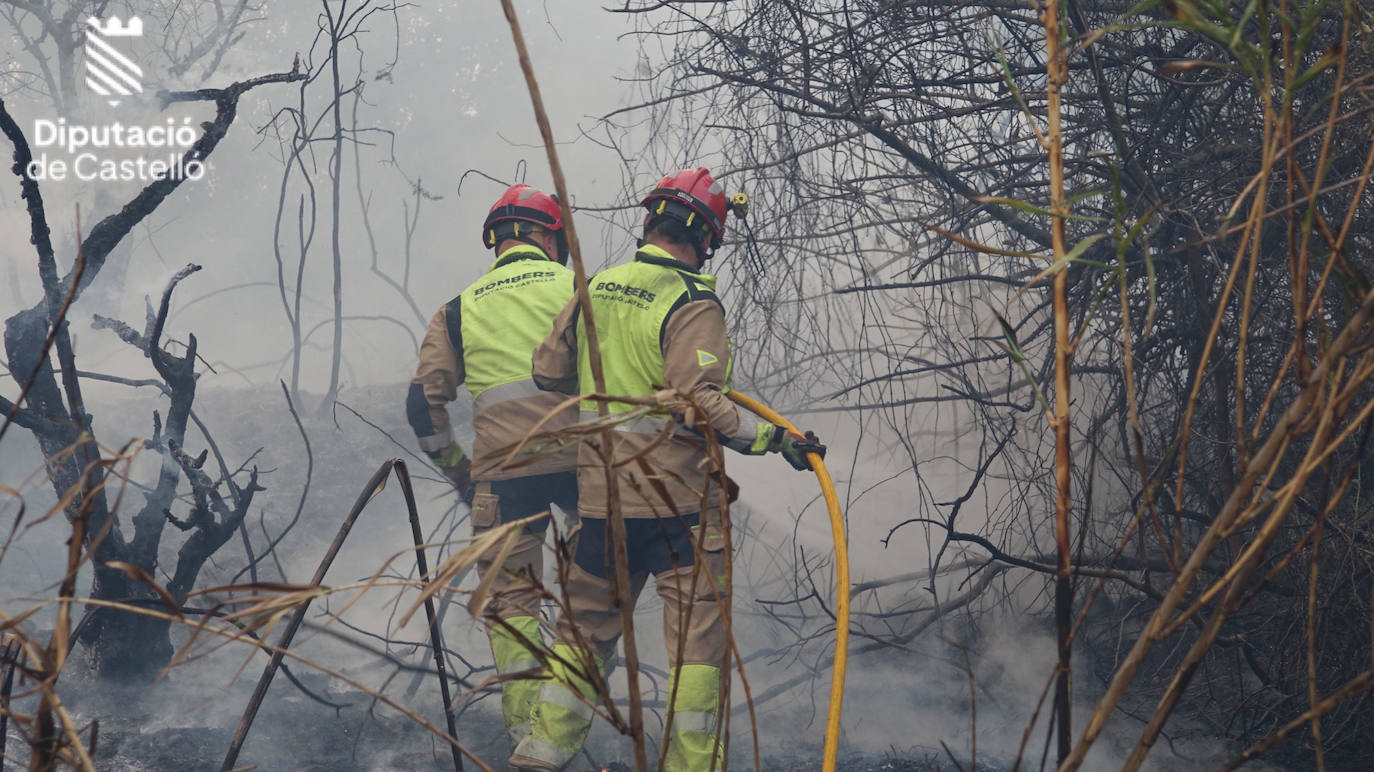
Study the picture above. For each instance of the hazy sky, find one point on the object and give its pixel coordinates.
(454, 101)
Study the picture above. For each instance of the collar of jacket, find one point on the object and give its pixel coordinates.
(519, 252)
(654, 255)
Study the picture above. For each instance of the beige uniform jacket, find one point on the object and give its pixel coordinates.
(497, 426)
(680, 464)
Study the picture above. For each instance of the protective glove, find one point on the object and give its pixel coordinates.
(458, 469)
(796, 446)
(772, 438)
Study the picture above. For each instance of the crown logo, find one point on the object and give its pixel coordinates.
(109, 72)
(114, 28)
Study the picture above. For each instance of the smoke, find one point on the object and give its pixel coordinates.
(443, 123)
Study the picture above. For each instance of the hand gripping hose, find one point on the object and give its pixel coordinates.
(832, 502)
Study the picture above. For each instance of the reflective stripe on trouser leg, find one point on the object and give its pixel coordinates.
(560, 720)
(692, 743)
(515, 649)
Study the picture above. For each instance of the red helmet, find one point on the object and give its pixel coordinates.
(691, 196)
(522, 204)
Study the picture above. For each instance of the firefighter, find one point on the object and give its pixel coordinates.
(660, 325)
(484, 338)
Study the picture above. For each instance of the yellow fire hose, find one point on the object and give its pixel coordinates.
(832, 502)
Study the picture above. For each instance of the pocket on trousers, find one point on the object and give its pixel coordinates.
(486, 508)
(712, 542)
(709, 543)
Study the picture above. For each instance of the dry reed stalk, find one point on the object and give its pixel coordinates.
(1057, 74)
(606, 447)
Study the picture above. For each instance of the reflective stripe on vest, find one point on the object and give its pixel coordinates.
(506, 392)
(507, 313)
(648, 424)
(631, 303)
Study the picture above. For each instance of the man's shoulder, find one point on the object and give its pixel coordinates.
(447, 305)
(517, 275)
(615, 270)
(665, 276)
(649, 284)
(678, 288)
(698, 290)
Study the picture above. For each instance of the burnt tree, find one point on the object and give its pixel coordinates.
(1216, 159)
(50, 405)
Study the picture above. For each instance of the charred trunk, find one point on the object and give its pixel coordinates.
(125, 646)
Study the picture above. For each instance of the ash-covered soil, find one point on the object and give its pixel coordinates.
(175, 726)
(187, 720)
(168, 727)
(155, 730)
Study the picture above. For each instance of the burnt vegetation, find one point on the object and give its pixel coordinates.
(1217, 233)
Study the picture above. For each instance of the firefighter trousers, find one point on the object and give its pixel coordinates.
(689, 564)
(511, 611)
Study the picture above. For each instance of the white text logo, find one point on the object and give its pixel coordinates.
(90, 153)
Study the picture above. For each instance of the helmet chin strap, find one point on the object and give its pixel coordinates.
(703, 248)
(561, 244)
